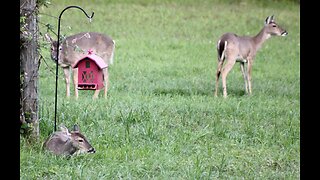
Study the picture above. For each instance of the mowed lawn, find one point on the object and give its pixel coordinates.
(161, 119)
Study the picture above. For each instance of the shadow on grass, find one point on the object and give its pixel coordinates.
(237, 92)
(181, 92)
(233, 93)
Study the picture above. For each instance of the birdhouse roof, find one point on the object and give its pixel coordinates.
(97, 59)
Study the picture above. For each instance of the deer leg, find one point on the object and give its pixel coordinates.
(96, 94)
(75, 81)
(106, 81)
(249, 75)
(224, 73)
(220, 63)
(245, 77)
(66, 71)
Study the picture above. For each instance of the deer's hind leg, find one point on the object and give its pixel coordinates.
(225, 71)
(106, 81)
(96, 94)
(106, 84)
(218, 73)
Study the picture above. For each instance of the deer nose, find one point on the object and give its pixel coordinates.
(91, 150)
(284, 33)
(54, 58)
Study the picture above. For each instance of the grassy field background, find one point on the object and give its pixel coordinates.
(161, 120)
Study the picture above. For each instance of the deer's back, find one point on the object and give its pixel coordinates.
(76, 46)
(59, 143)
(240, 46)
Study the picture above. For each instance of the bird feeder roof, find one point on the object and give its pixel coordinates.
(97, 59)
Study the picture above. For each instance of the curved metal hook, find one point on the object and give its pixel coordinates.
(58, 41)
(78, 8)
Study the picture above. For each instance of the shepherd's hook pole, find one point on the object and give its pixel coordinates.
(56, 94)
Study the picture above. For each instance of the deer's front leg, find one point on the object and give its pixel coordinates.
(249, 75)
(75, 81)
(66, 71)
(245, 76)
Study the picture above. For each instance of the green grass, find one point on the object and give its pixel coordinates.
(161, 120)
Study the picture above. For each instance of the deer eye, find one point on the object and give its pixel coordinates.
(80, 140)
(274, 25)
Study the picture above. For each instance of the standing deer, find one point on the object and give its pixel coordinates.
(65, 142)
(76, 46)
(233, 48)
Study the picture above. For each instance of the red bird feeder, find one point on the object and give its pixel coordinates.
(90, 72)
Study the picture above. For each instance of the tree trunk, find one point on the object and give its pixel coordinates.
(29, 66)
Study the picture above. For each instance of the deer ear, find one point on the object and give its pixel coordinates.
(76, 128)
(48, 38)
(64, 130)
(272, 18)
(269, 19)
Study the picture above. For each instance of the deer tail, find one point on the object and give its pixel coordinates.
(221, 50)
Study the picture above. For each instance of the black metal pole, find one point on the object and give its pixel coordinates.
(58, 44)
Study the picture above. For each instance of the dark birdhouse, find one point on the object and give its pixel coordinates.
(90, 72)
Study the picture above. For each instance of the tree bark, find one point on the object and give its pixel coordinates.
(29, 66)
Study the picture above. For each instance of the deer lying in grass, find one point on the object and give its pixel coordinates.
(76, 46)
(243, 49)
(65, 142)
